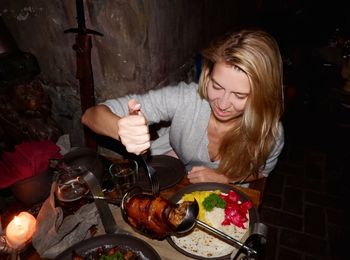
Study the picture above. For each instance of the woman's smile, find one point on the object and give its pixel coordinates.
(221, 113)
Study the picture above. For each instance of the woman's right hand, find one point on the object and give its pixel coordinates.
(133, 129)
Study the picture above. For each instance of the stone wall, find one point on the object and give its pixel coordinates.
(145, 44)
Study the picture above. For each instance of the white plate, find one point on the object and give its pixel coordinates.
(253, 218)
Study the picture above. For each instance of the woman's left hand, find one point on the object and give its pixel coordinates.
(204, 174)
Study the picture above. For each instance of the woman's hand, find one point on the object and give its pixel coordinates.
(133, 129)
(204, 174)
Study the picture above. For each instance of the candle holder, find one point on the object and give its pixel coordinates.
(18, 235)
(15, 253)
(4, 248)
(20, 248)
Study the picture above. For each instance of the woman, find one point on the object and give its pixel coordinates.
(226, 128)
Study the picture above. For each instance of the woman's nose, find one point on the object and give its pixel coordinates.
(224, 101)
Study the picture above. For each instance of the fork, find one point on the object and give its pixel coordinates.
(152, 174)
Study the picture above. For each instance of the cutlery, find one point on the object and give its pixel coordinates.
(115, 201)
(152, 174)
(103, 209)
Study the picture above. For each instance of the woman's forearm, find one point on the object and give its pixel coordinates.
(101, 120)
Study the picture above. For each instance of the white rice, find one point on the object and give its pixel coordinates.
(201, 243)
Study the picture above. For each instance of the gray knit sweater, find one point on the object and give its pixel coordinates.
(189, 116)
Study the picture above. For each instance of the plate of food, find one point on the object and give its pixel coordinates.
(110, 246)
(221, 206)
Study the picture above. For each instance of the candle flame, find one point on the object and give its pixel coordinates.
(17, 221)
(20, 230)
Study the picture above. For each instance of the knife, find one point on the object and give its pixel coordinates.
(102, 206)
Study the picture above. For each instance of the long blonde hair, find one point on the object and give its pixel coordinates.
(245, 149)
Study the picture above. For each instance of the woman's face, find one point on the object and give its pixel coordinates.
(228, 91)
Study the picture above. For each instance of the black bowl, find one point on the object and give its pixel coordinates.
(33, 190)
(133, 243)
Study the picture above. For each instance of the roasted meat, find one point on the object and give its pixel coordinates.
(149, 215)
(155, 217)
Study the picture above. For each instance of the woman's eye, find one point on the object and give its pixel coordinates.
(216, 87)
(240, 96)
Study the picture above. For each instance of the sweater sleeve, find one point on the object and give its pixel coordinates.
(157, 105)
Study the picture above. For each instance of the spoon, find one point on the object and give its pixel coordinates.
(190, 221)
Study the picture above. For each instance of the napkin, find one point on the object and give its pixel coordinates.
(29, 159)
(54, 234)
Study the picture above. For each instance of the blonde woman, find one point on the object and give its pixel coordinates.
(224, 129)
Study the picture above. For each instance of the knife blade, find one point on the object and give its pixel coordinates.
(103, 209)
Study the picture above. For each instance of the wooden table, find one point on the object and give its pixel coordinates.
(162, 247)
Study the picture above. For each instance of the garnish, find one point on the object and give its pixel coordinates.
(116, 256)
(212, 201)
(199, 196)
(235, 211)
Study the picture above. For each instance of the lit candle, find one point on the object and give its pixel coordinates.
(20, 230)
